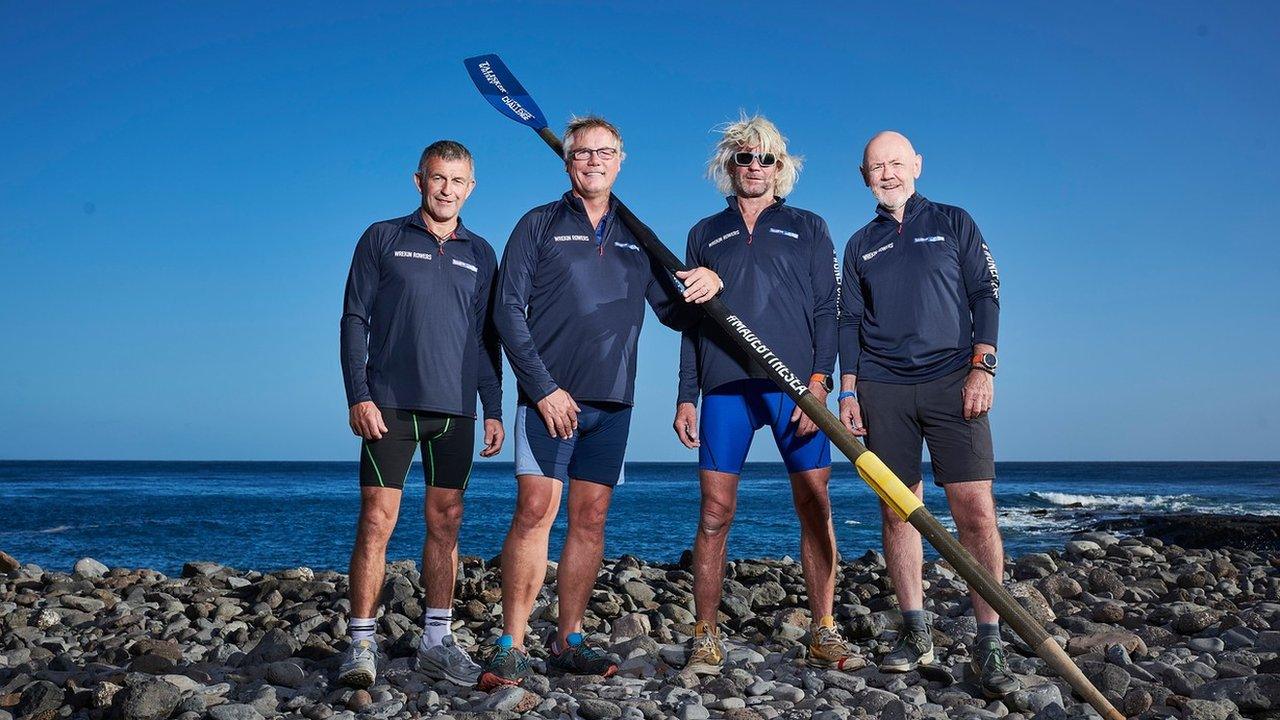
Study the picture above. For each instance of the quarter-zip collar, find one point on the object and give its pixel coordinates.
(601, 231)
(915, 204)
(778, 202)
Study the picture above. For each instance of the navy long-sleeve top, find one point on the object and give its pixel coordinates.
(570, 303)
(916, 295)
(416, 331)
(780, 278)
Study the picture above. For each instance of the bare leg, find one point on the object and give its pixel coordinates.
(379, 508)
(974, 508)
(719, 502)
(443, 511)
(524, 553)
(817, 538)
(583, 548)
(904, 555)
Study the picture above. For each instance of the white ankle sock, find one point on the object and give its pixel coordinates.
(361, 628)
(436, 624)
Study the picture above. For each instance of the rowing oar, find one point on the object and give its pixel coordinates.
(500, 87)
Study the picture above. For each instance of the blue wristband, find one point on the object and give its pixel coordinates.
(847, 394)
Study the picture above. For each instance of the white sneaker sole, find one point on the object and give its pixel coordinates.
(357, 678)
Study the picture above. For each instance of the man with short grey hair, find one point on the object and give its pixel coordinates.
(417, 346)
(920, 308)
(571, 294)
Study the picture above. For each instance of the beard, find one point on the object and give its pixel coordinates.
(760, 190)
(892, 200)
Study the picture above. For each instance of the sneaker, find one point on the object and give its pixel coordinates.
(989, 666)
(579, 658)
(827, 649)
(914, 649)
(706, 657)
(447, 661)
(508, 666)
(360, 668)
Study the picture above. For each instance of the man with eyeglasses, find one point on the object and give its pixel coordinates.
(417, 346)
(571, 295)
(919, 316)
(779, 266)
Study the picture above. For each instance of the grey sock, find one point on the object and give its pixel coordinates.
(914, 620)
(986, 630)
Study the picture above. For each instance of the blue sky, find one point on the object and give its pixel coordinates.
(181, 187)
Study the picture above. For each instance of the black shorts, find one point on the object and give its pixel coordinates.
(898, 417)
(447, 444)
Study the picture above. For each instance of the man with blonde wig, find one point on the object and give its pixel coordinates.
(918, 323)
(779, 269)
(571, 295)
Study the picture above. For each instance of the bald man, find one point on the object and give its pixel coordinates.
(919, 313)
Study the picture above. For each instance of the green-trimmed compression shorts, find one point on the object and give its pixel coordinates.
(447, 443)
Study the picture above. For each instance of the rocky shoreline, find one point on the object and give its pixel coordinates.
(1163, 630)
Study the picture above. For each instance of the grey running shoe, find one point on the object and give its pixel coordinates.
(508, 666)
(447, 661)
(989, 666)
(360, 668)
(579, 658)
(706, 657)
(914, 649)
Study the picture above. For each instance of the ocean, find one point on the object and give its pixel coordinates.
(271, 515)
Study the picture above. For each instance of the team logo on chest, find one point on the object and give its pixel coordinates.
(466, 265)
(788, 233)
(877, 251)
(724, 237)
(413, 255)
(571, 238)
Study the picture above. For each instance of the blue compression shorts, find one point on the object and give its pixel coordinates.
(731, 414)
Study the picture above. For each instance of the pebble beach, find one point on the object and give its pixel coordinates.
(1163, 630)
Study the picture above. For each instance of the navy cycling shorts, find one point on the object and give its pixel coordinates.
(594, 453)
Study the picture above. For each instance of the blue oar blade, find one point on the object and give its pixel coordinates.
(499, 86)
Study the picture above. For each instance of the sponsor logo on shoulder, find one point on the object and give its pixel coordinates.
(935, 238)
(628, 246)
(414, 255)
(877, 251)
(571, 238)
(788, 233)
(466, 265)
(724, 237)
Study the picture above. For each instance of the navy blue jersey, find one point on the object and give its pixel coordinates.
(917, 295)
(781, 279)
(570, 303)
(415, 323)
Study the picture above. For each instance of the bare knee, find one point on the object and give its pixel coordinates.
(588, 522)
(813, 507)
(444, 520)
(715, 520)
(533, 515)
(375, 527)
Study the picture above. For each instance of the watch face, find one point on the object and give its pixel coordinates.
(989, 360)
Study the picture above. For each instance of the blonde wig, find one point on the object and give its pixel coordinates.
(755, 132)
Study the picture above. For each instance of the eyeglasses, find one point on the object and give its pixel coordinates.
(604, 153)
(743, 159)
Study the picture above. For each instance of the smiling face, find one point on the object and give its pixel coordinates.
(754, 180)
(594, 176)
(890, 167)
(445, 185)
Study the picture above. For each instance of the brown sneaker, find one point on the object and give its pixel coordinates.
(827, 649)
(707, 654)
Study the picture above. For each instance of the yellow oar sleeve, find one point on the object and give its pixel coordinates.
(887, 485)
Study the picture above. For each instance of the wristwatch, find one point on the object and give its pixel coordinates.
(986, 362)
(827, 381)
